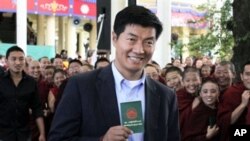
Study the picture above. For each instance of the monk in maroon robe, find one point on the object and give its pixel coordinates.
(195, 129)
(184, 104)
(235, 108)
(200, 124)
(43, 88)
(185, 96)
(232, 99)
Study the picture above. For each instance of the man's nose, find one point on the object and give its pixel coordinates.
(17, 61)
(138, 48)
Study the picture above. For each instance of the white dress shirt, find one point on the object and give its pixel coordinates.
(128, 91)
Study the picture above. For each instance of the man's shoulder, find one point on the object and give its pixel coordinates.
(235, 89)
(159, 87)
(1, 70)
(28, 78)
(101, 73)
(162, 86)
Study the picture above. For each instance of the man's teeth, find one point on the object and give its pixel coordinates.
(135, 58)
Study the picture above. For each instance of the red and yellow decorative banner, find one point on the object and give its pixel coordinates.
(10, 5)
(80, 8)
(53, 6)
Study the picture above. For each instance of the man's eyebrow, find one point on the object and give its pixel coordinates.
(131, 34)
(149, 38)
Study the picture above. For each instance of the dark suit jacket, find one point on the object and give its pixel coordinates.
(89, 108)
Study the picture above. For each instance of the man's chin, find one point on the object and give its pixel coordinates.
(17, 71)
(136, 66)
(136, 70)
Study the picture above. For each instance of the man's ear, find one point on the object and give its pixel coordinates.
(114, 36)
(241, 76)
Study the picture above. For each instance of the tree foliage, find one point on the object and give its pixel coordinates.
(219, 38)
(241, 33)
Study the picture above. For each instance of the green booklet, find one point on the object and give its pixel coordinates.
(131, 113)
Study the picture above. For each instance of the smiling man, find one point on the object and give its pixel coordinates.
(119, 102)
(18, 95)
(235, 107)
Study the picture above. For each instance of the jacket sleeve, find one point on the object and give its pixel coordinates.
(173, 119)
(67, 122)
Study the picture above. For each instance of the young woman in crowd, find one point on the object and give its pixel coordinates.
(59, 77)
(185, 96)
(201, 123)
(151, 71)
(173, 77)
(206, 71)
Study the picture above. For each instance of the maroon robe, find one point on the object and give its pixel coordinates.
(43, 88)
(231, 100)
(162, 80)
(195, 128)
(185, 101)
(54, 90)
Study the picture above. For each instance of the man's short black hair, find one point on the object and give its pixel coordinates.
(136, 15)
(12, 49)
(63, 51)
(231, 65)
(1, 56)
(102, 59)
(174, 69)
(75, 61)
(43, 58)
(244, 65)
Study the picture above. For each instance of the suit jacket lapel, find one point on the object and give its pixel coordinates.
(152, 107)
(105, 87)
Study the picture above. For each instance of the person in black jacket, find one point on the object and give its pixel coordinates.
(18, 94)
(93, 105)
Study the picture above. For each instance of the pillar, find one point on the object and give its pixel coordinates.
(40, 30)
(61, 33)
(50, 31)
(162, 53)
(21, 24)
(116, 6)
(71, 38)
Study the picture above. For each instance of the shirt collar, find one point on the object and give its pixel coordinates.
(7, 74)
(119, 79)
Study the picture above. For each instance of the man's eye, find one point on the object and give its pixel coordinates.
(131, 39)
(150, 42)
(21, 59)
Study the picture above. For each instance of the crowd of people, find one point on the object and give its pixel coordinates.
(63, 99)
(50, 77)
(209, 98)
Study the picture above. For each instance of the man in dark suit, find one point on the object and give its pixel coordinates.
(91, 106)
